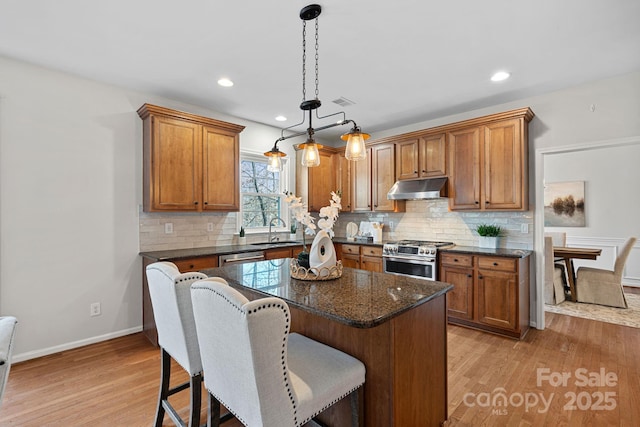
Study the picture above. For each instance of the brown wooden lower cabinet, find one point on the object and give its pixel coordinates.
(361, 256)
(490, 292)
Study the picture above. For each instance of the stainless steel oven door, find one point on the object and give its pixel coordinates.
(425, 269)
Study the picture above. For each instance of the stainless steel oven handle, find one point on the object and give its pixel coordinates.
(243, 259)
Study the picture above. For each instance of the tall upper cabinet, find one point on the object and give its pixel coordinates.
(488, 160)
(191, 163)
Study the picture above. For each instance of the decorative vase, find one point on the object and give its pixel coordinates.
(303, 259)
(322, 255)
(488, 242)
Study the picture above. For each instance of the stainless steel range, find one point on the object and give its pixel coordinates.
(413, 258)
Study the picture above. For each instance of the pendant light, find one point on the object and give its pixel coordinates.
(355, 149)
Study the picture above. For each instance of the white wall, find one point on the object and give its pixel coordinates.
(70, 194)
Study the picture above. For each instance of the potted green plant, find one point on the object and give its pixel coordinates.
(242, 240)
(293, 230)
(489, 234)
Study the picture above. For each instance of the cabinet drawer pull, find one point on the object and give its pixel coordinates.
(495, 263)
(455, 260)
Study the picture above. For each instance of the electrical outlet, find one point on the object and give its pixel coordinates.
(209, 226)
(168, 228)
(390, 225)
(94, 309)
(524, 228)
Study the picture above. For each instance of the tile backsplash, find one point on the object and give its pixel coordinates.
(423, 220)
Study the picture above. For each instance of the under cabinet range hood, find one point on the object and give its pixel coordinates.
(428, 188)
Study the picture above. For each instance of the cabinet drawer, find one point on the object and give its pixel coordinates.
(457, 259)
(351, 249)
(372, 250)
(497, 263)
(195, 264)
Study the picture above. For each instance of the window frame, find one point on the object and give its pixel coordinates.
(284, 181)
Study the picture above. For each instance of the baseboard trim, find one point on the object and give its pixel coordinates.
(75, 344)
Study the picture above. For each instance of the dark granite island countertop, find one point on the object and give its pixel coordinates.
(361, 299)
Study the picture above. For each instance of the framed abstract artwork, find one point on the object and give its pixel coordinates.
(564, 204)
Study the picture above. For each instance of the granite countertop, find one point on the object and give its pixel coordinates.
(169, 254)
(474, 250)
(362, 299)
(215, 250)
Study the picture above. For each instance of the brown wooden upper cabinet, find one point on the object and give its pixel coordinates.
(368, 181)
(488, 163)
(191, 163)
(315, 184)
(421, 157)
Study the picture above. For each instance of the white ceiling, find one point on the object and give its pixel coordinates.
(401, 62)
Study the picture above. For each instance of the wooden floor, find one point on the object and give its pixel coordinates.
(115, 383)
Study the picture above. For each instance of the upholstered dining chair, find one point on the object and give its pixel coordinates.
(7, 334)
(604, 287)
(264, 375)
(553, 276)
(171, 300)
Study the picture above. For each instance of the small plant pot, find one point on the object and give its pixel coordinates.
(488, 242)
(242, 240)
(292, 236)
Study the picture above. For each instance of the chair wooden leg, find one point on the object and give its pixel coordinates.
(213, 412)
(163, 394)
(357, 411)
(196, 399)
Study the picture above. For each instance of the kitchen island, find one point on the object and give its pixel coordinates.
(396, 325)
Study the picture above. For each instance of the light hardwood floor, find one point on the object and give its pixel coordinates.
(115, 383)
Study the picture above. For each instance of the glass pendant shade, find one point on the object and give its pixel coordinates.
(274, 162)
(355, 149)
(310, 154)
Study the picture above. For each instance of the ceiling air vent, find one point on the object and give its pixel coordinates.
(343, 102)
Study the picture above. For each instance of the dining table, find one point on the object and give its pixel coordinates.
(568, 254)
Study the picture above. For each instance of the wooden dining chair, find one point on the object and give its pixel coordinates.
(263, 374)
(604, 287)
(554, 283)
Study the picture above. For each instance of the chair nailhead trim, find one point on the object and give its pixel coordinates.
(281, 306)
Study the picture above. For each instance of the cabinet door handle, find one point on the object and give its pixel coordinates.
(423, 171)
(480, 277)
(495, 263)
(486, 202)
(375, 206)
(416, 171)
(455, 260)
(469, 275)
(195, 203)
(477, 202)
(206, 203)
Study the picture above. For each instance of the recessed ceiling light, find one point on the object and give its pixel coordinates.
(500, 76)
(225, 82)
(281, 118)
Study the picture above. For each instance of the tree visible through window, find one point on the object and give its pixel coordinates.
(261, 194)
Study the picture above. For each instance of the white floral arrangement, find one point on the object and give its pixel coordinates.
(328, 214)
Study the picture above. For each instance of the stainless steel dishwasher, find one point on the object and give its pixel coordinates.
(240, 258)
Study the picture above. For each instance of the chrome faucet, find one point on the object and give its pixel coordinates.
(284, 224)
